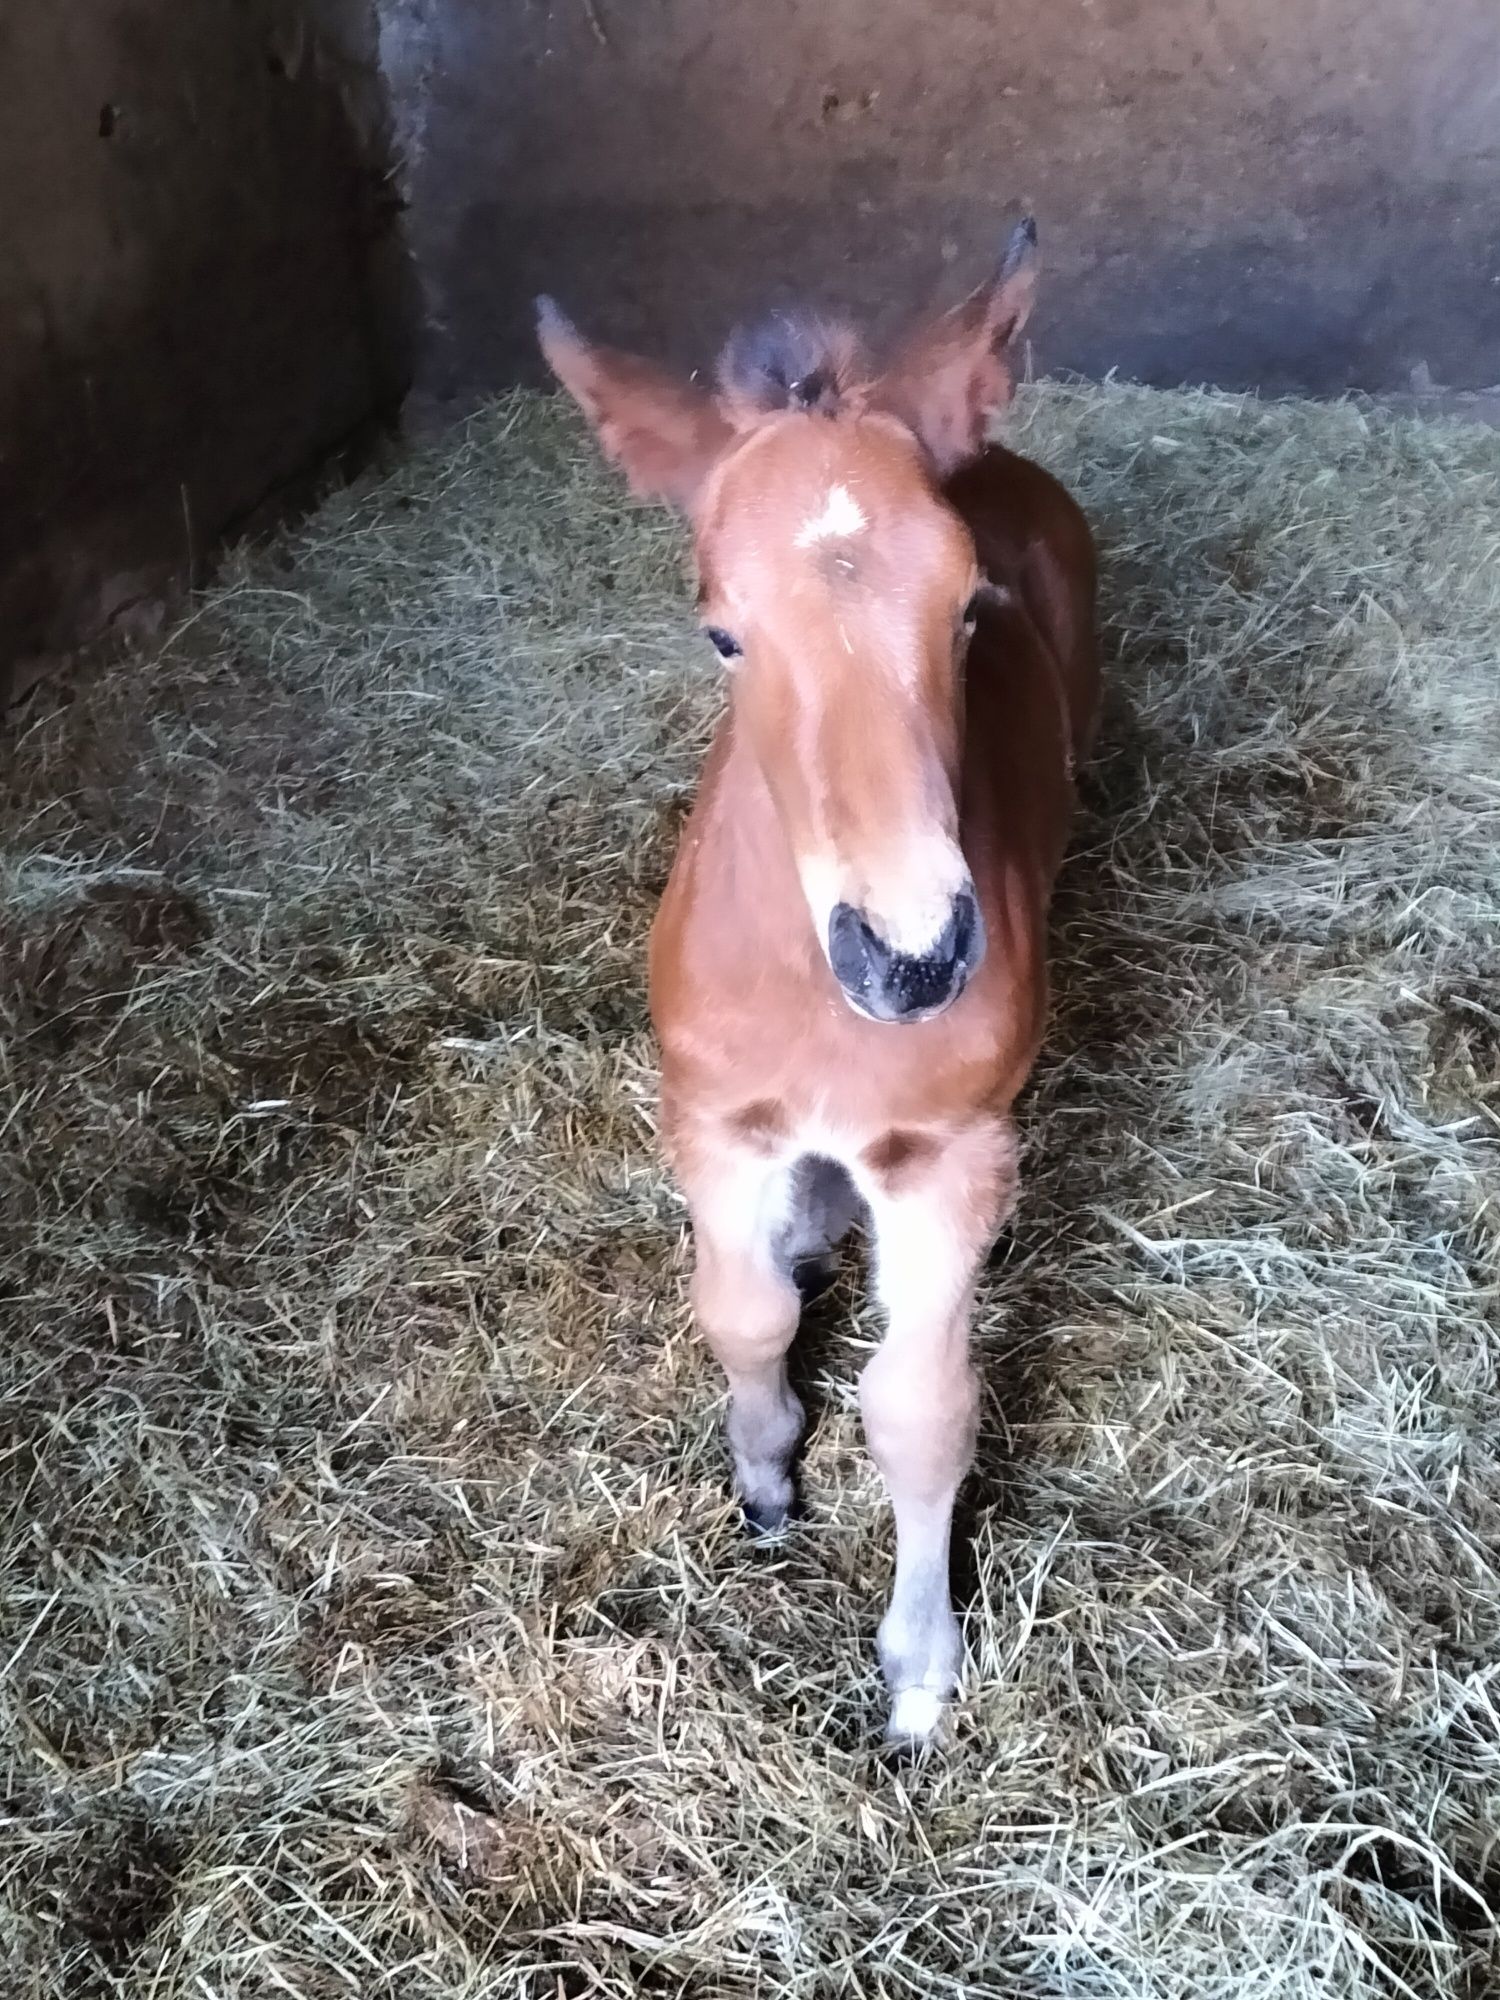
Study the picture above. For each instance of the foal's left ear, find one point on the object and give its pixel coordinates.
(952, 374)
(665, 434)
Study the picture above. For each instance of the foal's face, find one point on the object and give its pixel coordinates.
(840, 585)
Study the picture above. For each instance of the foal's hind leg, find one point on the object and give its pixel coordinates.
(934, 1220)
(822, 1211)
(747, 1306)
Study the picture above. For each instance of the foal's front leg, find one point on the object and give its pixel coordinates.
(747, 1305)
(934, 1216)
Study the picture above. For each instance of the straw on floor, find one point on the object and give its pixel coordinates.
(375, 1616)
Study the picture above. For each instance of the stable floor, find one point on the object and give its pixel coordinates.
(374, 1617)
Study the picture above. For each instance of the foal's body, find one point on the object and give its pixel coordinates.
(848, 972)
(769, 1078)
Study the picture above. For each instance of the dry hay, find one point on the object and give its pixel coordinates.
(376, 1618)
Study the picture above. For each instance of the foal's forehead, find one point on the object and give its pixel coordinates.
(805, 489)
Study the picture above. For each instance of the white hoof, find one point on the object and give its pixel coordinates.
(915, 1715)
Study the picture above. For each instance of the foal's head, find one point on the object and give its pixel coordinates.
(840, 587)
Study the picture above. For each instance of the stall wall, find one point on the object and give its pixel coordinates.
(202, 288)
(1286, 194)
(205, 275)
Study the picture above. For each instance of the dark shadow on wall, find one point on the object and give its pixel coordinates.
(1272, 194)
(1250, 311)
(205, 286)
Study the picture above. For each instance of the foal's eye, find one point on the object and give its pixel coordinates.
(727, 647)
(971, 611)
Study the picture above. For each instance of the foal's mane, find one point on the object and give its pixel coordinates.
(794, 360)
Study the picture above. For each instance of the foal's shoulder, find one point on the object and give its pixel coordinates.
(999, 480)
(1013, 505)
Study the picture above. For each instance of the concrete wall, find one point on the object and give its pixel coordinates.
(202, 288)
(1291, 194)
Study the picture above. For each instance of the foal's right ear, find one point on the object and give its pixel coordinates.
(665, 434)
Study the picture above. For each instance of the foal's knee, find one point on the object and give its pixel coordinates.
(921, 1415)
(747, 1313)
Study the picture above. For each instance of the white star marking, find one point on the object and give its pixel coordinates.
(841, 516)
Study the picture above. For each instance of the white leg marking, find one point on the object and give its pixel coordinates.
(920, 1396)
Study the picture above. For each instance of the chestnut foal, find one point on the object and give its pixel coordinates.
(848, 972)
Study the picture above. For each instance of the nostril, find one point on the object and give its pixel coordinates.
(854, 951)
(845, 951)
(963, 925)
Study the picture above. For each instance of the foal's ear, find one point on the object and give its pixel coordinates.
(664, 434)
(952, 374)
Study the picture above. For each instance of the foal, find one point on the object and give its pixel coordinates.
(848, 974)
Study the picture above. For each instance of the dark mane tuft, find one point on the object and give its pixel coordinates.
(792, 361)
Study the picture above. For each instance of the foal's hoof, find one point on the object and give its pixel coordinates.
(915, 1715)
(766, 1518)
(813, 1277)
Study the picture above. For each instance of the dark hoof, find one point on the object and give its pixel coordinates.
(814, 1277)
(763, 1520)
(903, 1755)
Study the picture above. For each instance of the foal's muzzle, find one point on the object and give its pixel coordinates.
(897, 986)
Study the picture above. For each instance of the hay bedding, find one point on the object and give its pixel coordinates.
(376, 1619)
